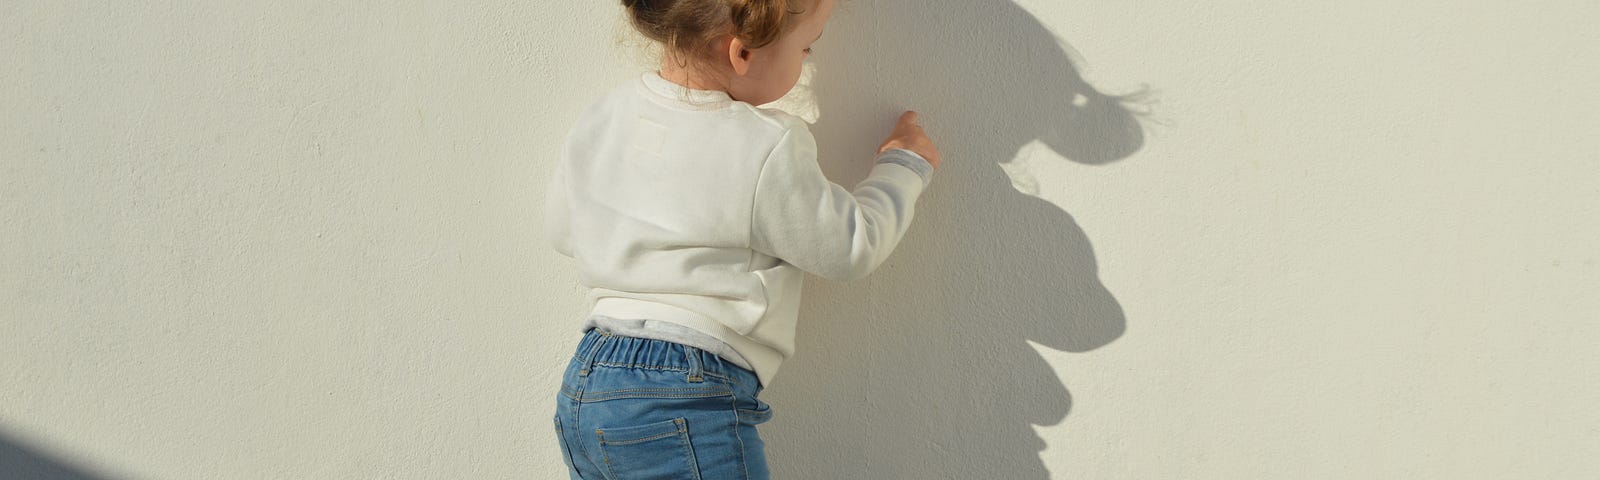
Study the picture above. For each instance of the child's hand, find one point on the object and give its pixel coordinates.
(908, 135)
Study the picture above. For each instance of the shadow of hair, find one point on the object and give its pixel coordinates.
(926, 368)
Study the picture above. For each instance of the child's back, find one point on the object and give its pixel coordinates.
(692, 208)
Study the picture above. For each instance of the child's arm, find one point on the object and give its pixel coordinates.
(801, 217)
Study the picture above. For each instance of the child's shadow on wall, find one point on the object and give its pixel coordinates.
(924, 368)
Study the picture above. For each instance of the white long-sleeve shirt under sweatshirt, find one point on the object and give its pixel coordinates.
(688, 207)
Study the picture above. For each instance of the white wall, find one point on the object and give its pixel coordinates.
(1217, 240)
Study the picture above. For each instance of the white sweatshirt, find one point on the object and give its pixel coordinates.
(688, 207)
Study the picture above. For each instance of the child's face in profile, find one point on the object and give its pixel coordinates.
(775, 68)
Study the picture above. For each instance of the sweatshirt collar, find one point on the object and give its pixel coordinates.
(679, 94)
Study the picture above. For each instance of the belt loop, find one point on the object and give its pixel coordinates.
(693, 355)
(594, 350)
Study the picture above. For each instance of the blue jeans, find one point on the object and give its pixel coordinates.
(635, 408)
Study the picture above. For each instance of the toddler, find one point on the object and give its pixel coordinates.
(692, 214)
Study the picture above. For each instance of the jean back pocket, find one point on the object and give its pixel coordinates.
(659, 450)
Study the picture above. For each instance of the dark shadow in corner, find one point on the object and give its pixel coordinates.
(924, 369)
(22, 463)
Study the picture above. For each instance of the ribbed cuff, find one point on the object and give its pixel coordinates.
(909, 159)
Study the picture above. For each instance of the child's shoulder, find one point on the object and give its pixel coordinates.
(618, 97)
(778, 119)
(761, 125)
(767, 128)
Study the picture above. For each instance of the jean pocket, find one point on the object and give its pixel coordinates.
(751, 410)
(659, 450)
(759, 414)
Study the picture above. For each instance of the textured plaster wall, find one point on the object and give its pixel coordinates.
(1178, 240)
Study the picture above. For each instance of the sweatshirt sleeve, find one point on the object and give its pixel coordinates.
(557, 214)
(814, 224)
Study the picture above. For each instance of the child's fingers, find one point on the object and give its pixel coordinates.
(910, 118)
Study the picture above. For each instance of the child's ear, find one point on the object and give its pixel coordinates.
(739, 56)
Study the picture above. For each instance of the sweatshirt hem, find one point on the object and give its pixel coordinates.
(764, 359)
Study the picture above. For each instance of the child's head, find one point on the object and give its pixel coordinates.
(752, 49)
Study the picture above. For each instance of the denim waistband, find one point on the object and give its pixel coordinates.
(602, 348)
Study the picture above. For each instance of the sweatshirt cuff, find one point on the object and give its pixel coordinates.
(909, 159)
